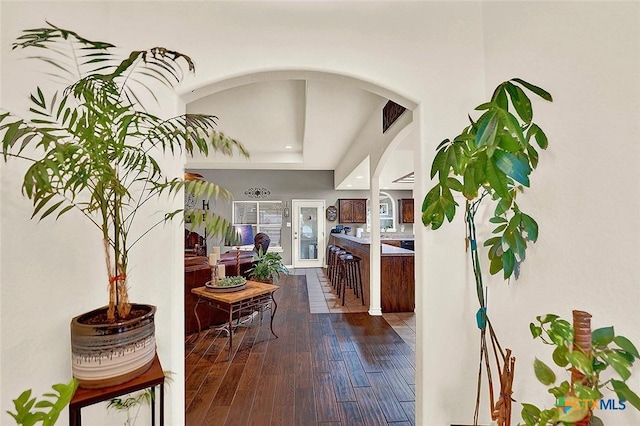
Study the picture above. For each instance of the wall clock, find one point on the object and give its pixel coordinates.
(332, 213)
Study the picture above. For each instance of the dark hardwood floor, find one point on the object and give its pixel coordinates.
(324, 369)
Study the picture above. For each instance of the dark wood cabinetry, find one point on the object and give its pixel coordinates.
(352, 210)
(406, 210)
(397, 276)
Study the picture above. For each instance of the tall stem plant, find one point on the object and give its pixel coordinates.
(491, 161)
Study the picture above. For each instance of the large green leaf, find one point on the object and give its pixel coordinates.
(543, 373)
(618, 363)
(499, 97)
(587, 392)
(580, 361)
(521, 102)
(495, 264)
(626, 344)
(513, 167)
(469, 184)
(454, 184)
(530, 227)
(560, 356)
(535, 89)
(497, 179)
(622, 390)
(487, 129)
(538, 135)
(431, 198)
(439, 162)
(530, 414)
(602, 336)
(536, 331)
(508, 263)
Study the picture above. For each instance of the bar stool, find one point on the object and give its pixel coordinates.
(336, 272)
(330, 260)
(349, 275)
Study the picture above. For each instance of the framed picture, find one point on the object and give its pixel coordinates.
(384, 209)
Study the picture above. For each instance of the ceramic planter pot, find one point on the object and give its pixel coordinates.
(105, 354)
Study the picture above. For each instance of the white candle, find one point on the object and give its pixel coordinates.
(213, 258)
(221, 272)
(216, 250)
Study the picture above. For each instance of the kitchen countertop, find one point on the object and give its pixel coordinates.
(386, 250)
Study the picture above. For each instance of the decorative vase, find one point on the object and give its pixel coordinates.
(104, 354)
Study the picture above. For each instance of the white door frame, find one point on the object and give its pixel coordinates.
(295, 248)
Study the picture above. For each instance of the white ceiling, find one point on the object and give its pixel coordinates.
(297, 124)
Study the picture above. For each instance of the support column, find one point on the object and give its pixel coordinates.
(374, 251)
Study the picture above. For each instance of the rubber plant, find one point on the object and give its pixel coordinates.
(585, 355)
(93, 148)
(490, 162)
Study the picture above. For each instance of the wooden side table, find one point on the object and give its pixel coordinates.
(153, 377)
(256, 294)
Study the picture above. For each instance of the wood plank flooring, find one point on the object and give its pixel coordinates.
(324, 369)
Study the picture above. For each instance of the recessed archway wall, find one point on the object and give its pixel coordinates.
(429, 297)
(376, 149)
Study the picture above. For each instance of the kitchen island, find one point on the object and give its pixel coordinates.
(397, 277)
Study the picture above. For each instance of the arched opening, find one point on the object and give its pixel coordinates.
(378, 156)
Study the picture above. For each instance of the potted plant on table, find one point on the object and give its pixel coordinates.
(491, 160)
(93, 148)
(267, 267)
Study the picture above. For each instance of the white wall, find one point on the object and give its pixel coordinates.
(447, 56)
(583, 194)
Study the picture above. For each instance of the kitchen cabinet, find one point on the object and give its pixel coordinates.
(352, 210)
(406, 210)
(397, 273)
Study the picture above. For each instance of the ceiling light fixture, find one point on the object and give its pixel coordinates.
(288, 147)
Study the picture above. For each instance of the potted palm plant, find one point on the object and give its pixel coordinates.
(94, 148)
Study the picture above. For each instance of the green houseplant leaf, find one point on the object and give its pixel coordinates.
(489, 161)
(29, 411)
(97, 149)
(581, 397)
(544, 374)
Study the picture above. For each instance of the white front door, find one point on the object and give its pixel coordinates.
(308, 233)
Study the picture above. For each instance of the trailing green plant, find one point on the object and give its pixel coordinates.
(129, 402)
(490, 161)
(610, 355)
(267, 267)
(94, 148)
(30, 411)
